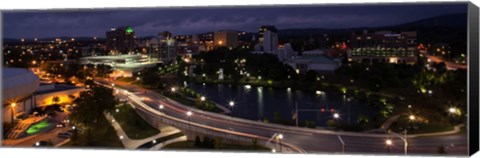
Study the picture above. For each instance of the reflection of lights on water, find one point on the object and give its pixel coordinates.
(259, 89)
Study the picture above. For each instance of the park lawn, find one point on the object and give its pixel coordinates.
(192, 103)
(431, 128)
(105, 137)
(133, 124)
(189, 145)
(422, 127)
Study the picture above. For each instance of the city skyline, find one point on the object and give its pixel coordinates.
(181, 21)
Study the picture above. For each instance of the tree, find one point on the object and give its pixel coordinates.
(151, 78)
(198, 142)
(277, 117)
(331, 123)
(91, 106)
(311, 76)
(218, 143)
(310, 124)
(206, 142)
(441, 150)
(255, 143)
(362, 120)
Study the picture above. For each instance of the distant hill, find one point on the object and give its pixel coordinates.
(451, 20)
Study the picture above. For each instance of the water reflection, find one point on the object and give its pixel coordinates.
(257, 103)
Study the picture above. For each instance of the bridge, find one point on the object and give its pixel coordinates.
(158, 110)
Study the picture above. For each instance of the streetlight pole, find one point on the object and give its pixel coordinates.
(296, 114)
(389, 144)
(280, 138)
(189, 113)
(404, 139)
(13, 111)
(343, 143)
(231, 104)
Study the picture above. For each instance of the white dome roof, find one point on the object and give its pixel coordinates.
(18, 83)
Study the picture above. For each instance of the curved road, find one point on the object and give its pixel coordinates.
(310, 140)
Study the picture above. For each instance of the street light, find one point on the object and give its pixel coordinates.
(411, 117)
(231, 103)
(13, 105)
(160, 106)
(173, 89)
(452, 110)
(280, 138)
(202, 98)
(389, 143)
(336, 115)
(189, 113)
(404, 138)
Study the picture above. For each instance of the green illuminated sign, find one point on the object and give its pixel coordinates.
(129, 30)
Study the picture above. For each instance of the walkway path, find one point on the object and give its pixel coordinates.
(129, 143)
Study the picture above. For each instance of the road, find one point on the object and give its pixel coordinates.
(450, 65)
(310, 140)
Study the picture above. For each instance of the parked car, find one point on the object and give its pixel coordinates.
(60, 125)
(64, 135)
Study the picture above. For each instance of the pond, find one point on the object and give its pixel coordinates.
(258, 103)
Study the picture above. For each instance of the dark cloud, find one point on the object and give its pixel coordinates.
(149, 21)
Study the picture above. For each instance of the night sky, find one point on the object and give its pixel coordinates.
(150, 21)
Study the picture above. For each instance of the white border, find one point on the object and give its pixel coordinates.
(69, 4)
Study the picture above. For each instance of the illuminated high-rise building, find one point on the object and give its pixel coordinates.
(163, 47)
(120, 40)
(226, 38)
(268, 38)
